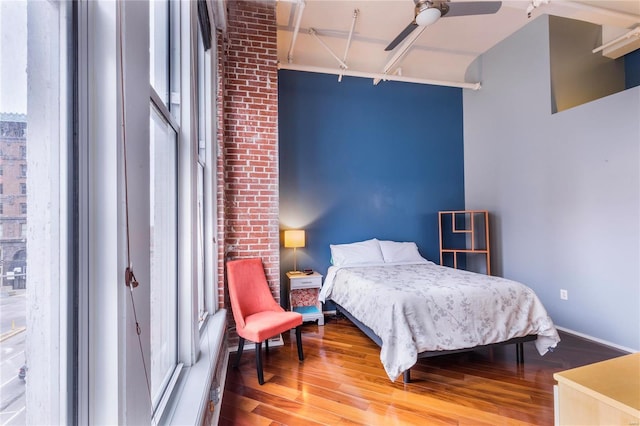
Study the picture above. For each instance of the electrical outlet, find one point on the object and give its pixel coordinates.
(564, 294)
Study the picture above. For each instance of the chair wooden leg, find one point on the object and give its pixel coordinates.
(299, 343)
(240, 348)
(259, 362)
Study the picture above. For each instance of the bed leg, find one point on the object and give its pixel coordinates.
(520, 353)
(406, 376)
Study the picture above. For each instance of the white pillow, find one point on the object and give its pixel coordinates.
(394, 251)
(362, 252)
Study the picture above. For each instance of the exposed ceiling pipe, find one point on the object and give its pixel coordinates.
(363, 74)
(353, 27)
(346, 49)
(633, 33)
(315, 35)
(401, 52)
(299, 10)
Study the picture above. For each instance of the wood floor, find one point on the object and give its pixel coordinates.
(342, 382)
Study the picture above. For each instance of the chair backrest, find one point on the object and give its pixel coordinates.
(248, 289)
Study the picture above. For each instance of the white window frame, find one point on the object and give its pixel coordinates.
(113, 388)
(207, 135)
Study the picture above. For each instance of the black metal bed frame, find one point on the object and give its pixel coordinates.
(406, 375)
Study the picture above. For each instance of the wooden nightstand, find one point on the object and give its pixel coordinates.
(303, 296)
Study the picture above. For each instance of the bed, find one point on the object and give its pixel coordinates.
(414, 308)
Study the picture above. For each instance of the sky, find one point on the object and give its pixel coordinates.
(13, 56)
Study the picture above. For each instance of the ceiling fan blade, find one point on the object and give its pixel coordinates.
(465, 8)
(408, 30)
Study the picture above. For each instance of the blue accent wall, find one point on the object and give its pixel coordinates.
(632, 69)
(359, 161)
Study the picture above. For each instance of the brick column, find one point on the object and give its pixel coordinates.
(250, 126)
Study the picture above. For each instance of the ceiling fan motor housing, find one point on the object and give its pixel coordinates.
(422, 5)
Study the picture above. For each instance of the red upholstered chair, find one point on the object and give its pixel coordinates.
(258, 316)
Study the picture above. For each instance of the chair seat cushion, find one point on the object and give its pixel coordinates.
(263, 325)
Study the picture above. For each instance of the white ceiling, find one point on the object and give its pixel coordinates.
(442, 52)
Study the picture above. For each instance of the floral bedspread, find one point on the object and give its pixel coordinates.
(426, 307)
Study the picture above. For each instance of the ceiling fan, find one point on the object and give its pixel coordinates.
(428, 12)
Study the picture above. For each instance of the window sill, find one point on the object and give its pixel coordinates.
(193, 391)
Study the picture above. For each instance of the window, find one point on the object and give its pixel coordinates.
(1, 208)
(200, 261)
(205, 184)
(1, 189)
(38, 97)
(159, 49)
(164, 242)
(83, 327)
(181, 186)
(164, 183)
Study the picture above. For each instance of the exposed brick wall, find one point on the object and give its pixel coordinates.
(249, 164)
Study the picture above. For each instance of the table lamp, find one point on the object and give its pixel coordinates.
(294, 238)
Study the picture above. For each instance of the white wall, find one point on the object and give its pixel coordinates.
(563, 189)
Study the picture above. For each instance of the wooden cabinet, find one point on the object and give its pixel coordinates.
(604, 393)
(464, 240)
(303, 296)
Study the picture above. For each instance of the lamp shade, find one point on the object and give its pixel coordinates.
(428, 16)
(294, 238)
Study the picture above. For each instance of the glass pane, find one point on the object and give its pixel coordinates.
(159, 48)
(33, 93)
(202, 308)
(13, 270)
(174, 59)
(163, 252)
(201, 251)
(202, 99)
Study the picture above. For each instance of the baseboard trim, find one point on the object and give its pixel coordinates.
(597, 340)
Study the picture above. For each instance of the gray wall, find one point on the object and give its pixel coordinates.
(564, 189)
